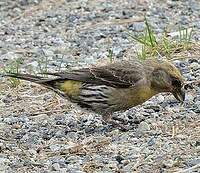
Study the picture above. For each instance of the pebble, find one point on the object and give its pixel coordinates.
(168, 163)
(4, 164)
(193, 162)
(138, 27)
(160, 98)
(55, 147)
(143, 127)
(56, 167)
(194, 65)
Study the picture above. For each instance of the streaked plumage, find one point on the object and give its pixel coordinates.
(114, 87)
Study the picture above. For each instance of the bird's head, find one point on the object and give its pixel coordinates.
(167, 78)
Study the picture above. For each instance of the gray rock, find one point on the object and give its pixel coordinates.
(4, 164)
(143, 127)
(56, 167)
(138, 27)
(195, 65)
(160, 98)
(168, 163)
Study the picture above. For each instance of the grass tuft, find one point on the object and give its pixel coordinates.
(153, 46)
(13, 67)
(110, 55)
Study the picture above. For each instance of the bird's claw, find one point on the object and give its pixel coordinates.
(123, 121)
(119, 126)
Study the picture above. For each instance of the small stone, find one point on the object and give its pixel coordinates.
(55, 147)
(125, 162)
(194, 65)
(2, 126)
(3, 164)
(180, 136)
(2, 146)
(160, 99)
(112, 164)
(77, 171)
(193, 162)
(143, 127)
(198, 149)
(138, 27)
(33, 153)
(189, 97)
(16, 126)
(179, 63)
(168, 163)
(197, 143)
(184, 20)
(192, 60)
(152, 141)
(47, 52)
(119, 159)
(56, 167)
(198, 104)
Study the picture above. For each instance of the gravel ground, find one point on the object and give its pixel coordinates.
(41, 132)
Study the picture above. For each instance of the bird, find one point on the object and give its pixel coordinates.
(113, 87)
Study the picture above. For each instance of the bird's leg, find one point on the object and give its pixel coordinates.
(108, 119)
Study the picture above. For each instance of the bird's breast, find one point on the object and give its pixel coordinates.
(140, 95)
(130, 97)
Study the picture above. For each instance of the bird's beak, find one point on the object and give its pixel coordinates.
(179, 94)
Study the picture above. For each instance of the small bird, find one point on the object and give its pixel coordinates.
(114, 87)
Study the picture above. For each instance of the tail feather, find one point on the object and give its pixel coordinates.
(48, 83)
(28, 77)
(45, 82)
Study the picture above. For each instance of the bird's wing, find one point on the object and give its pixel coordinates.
(122, 74)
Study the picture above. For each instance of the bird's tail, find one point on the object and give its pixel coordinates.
(53, 83)
(28, 77)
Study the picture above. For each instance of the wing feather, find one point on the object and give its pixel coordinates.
(122, 74)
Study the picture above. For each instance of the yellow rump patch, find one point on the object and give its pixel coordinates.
(71, 88)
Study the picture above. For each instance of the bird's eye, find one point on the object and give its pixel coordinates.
(176, 82)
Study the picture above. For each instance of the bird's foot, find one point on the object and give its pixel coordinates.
(123, 121)
(119, 126)
(117, 122)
